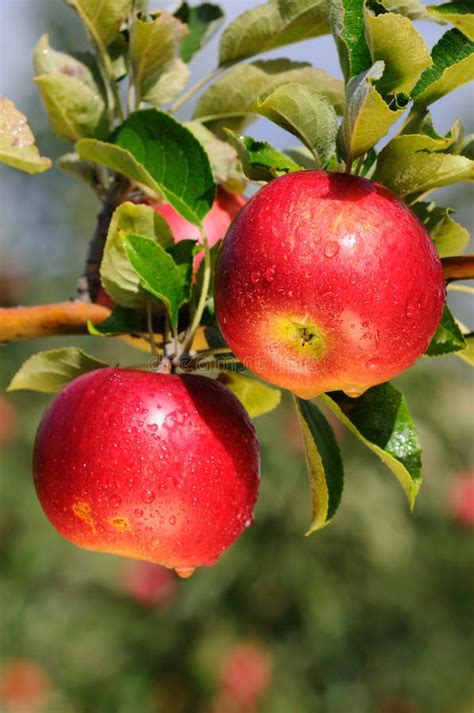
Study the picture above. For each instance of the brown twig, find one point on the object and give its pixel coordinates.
(458, 268)
(46, 320)
(88, 285)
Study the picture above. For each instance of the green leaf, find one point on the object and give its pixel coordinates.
(413, 9)
(102, 18)
(448, 337)
(348, 28)
(260, 161)
(158, 272)
(203, 21)
(255, 397)
(74, 109)
(272, 24)
(51, 371)
(46, 60)
(118, 278)
(381, 420)
(467, 354)
(305, 113)
(414, 164)
(324, 463)
(183, 255)
(225, 162)
(459, 13)
(450, 237)
(367, 117)
(153, 148)
(17, 143)
(154, 47)
(394, 40)
(230, 101)
(122, 320)
(453, 65)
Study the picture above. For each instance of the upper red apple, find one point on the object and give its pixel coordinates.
(148, 583)
(24, 686)
(461, 499)
(246, 674)
(327, 281)
(158, 467)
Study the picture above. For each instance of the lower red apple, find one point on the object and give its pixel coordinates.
(327, 281)
(24, 686)
(8, 421)
(159, 467)
(461, 499)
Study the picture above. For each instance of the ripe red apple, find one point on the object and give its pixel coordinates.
(223, 211)
(246, 674)
(24, 686)
(149, 584)
(327, 281)
(158, 467)
(461, 499)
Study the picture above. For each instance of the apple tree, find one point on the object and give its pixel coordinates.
(328, 282)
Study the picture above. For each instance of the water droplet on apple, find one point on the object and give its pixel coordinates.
(352, 278)
(374, 363)
(138, 512)
(184, 572)
(270, 273)
(331, 248)
(115, 501)
(172, 520)
(255, 277)
(148, 496)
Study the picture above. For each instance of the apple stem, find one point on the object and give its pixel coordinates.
(460, 267)
(206, 281)
(359, 165)
(151, 333)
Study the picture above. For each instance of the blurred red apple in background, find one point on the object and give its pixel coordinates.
(24, 687)
(246, 674)
(8, 421)
(149, 584)
(461, 499)
(327, 281)
(158, 467)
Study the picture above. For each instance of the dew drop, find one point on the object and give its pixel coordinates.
(115, 501)
(138, 512)
(331, 248)
(172, 520)
(148, 496)
(255, 277)
(270, 273)
(374, 363)
(185, 572)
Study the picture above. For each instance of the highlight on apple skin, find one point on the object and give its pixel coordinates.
(158, 467)
(327, 281)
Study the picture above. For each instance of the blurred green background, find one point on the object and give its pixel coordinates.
(371, 615)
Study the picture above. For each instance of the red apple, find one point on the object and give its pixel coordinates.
(24, 686)
(224, 209)
(461, 499)
(246, 674)
(149, 584)
(327, 281)
(158, 467)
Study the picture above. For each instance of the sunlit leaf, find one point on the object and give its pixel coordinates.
(348, 28)
(102, 18)
(257, 398)
(381, 420)
(459, 13)
(467, 354)
(52, 370)
(450, 237)
(272, 24)
(448, 337)
(367, 117)
(453, 65)
(324, 463)
(118, 277)
(260, 160)
(305, 113)
(158, 273)
(17, 143)
(394, 40)
(225, 162)
(122, 320)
